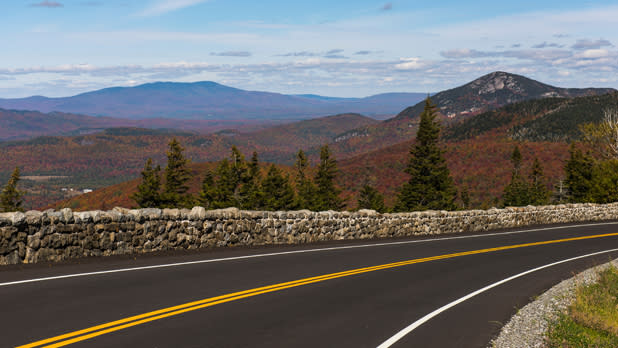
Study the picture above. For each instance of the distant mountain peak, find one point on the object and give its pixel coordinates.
(498, 80)
(492, 91)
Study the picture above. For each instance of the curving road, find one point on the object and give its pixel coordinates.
(352, 294)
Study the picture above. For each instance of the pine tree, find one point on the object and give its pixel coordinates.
(208, 194)
(539, 194)
(278, 193)
(605, 182)
(430, 185)
(327, 194)
(579, 180)
(517, 192)
(176, 177)
(304, 185)
(370, 198)
(238, 168)
(10, 197)
(225, 186)
(148, 195)
(250, 192)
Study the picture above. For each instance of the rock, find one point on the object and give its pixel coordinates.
(197, 213)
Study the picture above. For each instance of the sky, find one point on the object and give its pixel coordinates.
(336, 48)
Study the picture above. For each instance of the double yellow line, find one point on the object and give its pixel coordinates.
(94, 331)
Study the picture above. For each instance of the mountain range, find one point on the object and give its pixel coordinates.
(210, 101)
(368, 150)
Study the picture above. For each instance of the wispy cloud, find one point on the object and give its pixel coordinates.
(161, 7)
(545, 44)
(299, 54)
(585, 44)
(48, 4)
(231, 54)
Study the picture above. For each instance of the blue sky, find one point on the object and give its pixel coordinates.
(338, 48)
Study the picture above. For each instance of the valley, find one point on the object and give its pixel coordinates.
(477, 145)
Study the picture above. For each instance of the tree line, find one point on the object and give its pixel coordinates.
(591, 175)
(237, 182)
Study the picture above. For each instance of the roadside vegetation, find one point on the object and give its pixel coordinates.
(592, 320)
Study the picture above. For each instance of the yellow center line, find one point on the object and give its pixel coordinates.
(94, 331)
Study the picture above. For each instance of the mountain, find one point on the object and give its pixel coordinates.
(455, 105)
(209, 100)
(21, 124)
(492, 91)
(96, 160)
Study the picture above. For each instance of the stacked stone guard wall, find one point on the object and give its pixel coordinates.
(60, 235)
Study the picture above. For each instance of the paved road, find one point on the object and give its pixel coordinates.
(355, 294)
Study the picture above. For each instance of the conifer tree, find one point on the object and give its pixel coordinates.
(176, 177)
(327, 194)
(208, 193)
(579, 180)
(148, 195)
(304, 185)
(539, 194)
(238, 168)
(10, 197)
(250, 192)
(370, 198)
(430, 185)
(517, 192)
(605, 182)
(225, 186)
(278, 193)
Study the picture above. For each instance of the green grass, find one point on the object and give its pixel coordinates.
(592, 320)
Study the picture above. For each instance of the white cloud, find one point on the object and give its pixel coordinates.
(594, 53)
(164, 6)
(411, 64)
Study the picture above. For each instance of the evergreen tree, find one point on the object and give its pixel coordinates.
(370, 198)
(225, 186)
(430, 185)
(517, 192)
(10, 197)
(278, 193)
(176, 177)
(250, 193)
(578, 170)
(238, 168)
(605, 182)
(327, 194)
(539, 194)
(148, 195)
(304, 185)
(208, 193)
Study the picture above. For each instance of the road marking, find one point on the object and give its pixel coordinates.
(133, 269)
(429, 316)
(88, 333)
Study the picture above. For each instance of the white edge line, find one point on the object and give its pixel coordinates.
(132, 269)
(429, 316)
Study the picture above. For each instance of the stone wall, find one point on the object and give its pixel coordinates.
(59, 235)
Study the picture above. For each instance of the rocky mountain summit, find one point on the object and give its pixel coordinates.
(492, 91)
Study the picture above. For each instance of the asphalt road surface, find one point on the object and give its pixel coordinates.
(343, 294)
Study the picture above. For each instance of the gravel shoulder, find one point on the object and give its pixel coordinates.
(528, 327)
